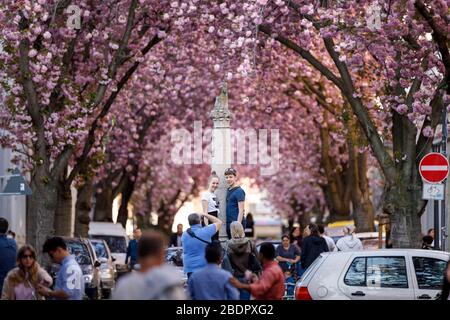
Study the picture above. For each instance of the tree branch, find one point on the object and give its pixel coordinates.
(304, 54)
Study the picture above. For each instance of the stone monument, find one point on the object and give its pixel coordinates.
(221, 151)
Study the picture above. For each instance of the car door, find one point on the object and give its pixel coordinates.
(428, 276)
(377, 278)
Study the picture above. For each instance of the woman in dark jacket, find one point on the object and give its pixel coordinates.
(312, 246)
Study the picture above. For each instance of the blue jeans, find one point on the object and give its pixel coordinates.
(243, 294)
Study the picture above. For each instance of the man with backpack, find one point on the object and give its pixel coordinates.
(195, 239)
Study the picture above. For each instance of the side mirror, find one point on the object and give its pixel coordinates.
(113, 259)
(97, 264)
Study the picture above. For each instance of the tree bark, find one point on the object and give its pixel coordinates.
(304, 219)
(83, 208)
(335, 194)
(401, 203)
(104, 203)
(127, 192)
(165, 221)
(63, 213)
(41, 205)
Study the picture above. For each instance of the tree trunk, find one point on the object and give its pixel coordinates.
(63, 213)
(336, 197)
(127, 192)
(104, 203)
(364, 218)
(401, 202)
(165, 222)
(304, 219)
(41, 205)
(83, 208)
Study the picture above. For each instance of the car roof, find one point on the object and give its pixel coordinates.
(75, 239)
(96, 240)
(379, 252)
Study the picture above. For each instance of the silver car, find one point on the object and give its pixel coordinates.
(108, 273)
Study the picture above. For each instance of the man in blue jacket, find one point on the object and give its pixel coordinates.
(132, 249)
(8, 251)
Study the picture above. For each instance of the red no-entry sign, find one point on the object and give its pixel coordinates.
(434, 167)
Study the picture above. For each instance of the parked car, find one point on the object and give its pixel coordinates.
(108, 272)
(276, 243)
(174, 257)
(393, 274)
(85, 255)
(115, 236)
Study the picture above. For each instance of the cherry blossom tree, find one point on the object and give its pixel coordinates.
(61, 79)
(400, 99)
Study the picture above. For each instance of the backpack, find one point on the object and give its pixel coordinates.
(253, 263)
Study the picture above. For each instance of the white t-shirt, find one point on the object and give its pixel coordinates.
(213, 202)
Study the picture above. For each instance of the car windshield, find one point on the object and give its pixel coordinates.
(100, 249)
(115, 244)
(80, 252)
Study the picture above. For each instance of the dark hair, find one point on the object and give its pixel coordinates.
(321, 229)
(213, 252)
(249, 218)
(150, 244)
(285, 236)
(314, 229)
(267, 250)
(299, 238)
(53, 243)
(3, 225)
(231, 171)
(427, 240)
(429, 230)
(193, 219)
(446, 285)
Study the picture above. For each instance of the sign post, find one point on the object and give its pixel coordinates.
(434, 170)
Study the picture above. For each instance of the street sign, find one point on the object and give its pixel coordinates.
(433, 191)
(15, 185)
(433, 167)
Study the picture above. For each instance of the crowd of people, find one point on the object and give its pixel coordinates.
(233, 270)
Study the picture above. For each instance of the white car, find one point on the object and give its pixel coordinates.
(386, 274)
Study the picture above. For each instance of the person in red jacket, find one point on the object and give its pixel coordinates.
(270, 286)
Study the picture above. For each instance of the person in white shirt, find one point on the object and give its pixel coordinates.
(210, 203)
(330, 242)
(349, 242)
